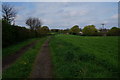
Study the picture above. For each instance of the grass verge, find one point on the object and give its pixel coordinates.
(12, 49)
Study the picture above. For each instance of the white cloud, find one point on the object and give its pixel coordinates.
(68, 14)
(78, 12)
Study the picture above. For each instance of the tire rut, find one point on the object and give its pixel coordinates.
(43, 66)
(7, 61)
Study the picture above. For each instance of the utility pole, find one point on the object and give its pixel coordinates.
(103, 29)
(102, 25)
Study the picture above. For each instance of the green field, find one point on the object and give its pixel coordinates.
(72, 57)
(84, 56)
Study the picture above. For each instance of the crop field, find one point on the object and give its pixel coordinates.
(84, 56)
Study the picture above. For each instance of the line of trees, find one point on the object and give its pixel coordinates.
(89, 30)
(12, 34)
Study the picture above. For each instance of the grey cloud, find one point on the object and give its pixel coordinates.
(68, 14)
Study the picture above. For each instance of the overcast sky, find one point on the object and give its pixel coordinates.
(64, 15)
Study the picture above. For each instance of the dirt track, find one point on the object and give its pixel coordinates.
(43, 66)
(7, 61)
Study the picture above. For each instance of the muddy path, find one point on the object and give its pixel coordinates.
(7, 61)
(43, 66)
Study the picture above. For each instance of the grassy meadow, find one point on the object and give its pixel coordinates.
(84, 56)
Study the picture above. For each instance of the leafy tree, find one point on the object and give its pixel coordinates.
(43, 30)
(75, 29)
(89, 30)
(114, 31)
(8, 12)
(34, 23)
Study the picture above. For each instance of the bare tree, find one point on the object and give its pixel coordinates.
(34, 23)
(8, 12)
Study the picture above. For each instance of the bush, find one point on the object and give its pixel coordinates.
(75, 30)
(43, 31)
(12, 34)
(114, 31)
(90, 30)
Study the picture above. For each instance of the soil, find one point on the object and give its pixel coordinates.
(7, 61)
(43, 66)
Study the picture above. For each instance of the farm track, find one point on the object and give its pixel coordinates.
(7, 61)
(43, 66)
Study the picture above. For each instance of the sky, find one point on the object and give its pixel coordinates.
(63, 15)
(60, 0)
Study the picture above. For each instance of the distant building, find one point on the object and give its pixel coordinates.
(80, 32)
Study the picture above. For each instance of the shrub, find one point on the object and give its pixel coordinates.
(114, 31)
(12, 34)
(90, 30)
(74, 30)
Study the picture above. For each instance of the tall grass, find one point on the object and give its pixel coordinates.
(84, 57)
